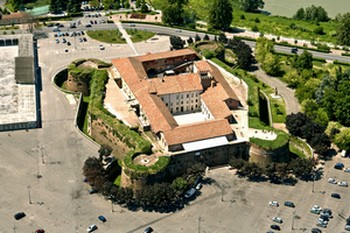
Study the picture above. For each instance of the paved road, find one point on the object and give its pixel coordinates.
(292, 104)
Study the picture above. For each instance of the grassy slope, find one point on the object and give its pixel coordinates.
(267, 24)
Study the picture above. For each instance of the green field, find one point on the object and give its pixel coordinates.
(107, 36)
(139, 35)
(289, 7)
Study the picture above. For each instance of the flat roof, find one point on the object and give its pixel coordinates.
(204, 144)
(17, 101)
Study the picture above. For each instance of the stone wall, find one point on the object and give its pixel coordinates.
(261, 156)
(77, 86)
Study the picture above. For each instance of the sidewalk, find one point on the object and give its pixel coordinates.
(126, 37)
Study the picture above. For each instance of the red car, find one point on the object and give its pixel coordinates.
(40, 231)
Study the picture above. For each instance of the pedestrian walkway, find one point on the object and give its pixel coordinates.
(126, 37)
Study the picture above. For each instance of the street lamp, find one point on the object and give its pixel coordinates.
(199, 224)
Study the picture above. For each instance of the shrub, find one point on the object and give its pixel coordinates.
(255, 28)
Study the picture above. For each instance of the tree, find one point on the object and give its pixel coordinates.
(108, 4)
(222, 38)
(295, 122)
(220, 14)
(176, 42)
(343, 30)
(271, 65)
(243, 53)
(206, 37)
(251, 5)
(173, 12)
(300, 14)
(197, 38)
(302, 168)
(342, 139)
(56, 6)
(144, 7)
(190, 40)
(74, 6)
(303, 61)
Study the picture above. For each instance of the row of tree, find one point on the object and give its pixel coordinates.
(159, 196)
(312, 13)
(300, 168)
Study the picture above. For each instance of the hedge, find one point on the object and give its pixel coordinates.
(336, 62)
(131, 138)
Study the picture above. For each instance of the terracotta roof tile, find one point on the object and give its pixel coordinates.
(169, 54)
(177, 83)
(214, 98)
(198, 131)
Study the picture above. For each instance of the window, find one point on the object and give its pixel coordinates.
(166, 104)
(196, 100)
(188, 95)
(177, 108)
(192, 95)
(182, 102)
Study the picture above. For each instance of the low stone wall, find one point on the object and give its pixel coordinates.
(261, 156)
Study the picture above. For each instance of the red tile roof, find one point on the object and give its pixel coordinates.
(169, 54)
(198, 131)
(146, 91)
(177, 83)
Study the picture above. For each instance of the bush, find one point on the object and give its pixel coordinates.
(255, 28)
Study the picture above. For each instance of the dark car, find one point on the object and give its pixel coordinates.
(339, 166)
(19, 215)
(289, 204)
(335, 195)
(88, 25)
(294, 50)
(102, 218)
(316, 230)
(40, 231)
(148, 230)
(275, 227)
(92, 191)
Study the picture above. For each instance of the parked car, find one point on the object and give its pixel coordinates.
(335, 195)
(40, 231)
(190, 193)
(132, 25)
(101, 47)
(347, 227)
(102, 218)
(289, 204)
(91, 228)
(316, 209)
(199, 186)
(347, 169)
(277, 219)
(148, 230)
(274, 203)
(19, 215)
(88, 26)
(68, 43)
(316, 230)
(332, 181)
(339, 166)
(343, 184)
(320, 224)
(275, 227)
(92, 191)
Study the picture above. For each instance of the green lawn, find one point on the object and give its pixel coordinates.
(139, 35)
(107, 36)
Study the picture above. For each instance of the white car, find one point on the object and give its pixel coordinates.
(343, 184)
(347, 169)
(101, 47)
(91, 228)
(274, 203)
(332, 181)
(277, 219)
